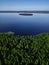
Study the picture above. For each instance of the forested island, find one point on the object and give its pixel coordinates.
(25, 14)
(24, 50)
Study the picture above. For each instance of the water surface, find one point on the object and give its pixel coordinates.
(24, 25)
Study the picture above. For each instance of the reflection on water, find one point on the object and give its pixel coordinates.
(24, 25)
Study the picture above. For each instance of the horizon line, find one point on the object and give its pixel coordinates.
(24, 11)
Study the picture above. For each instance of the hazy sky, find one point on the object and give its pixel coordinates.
(24, 4)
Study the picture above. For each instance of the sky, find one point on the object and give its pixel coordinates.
(24, 5)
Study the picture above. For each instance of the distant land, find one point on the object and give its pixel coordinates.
(46, 12)
(26, 14)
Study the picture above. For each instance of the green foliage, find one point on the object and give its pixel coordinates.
(24, 50)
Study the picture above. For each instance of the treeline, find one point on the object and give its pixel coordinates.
(24, 50)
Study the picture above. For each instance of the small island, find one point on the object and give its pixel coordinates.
(26, 14)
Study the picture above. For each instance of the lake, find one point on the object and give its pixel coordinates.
(24, 25)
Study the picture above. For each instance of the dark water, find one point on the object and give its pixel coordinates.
(24, 25)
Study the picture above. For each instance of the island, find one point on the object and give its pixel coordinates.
(26, 14)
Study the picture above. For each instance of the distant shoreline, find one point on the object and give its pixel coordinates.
(25, 12)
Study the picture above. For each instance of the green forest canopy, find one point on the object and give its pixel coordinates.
(24, 50)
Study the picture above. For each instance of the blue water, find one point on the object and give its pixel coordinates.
(24, 25)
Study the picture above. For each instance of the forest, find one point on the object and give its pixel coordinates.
(24, 50)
